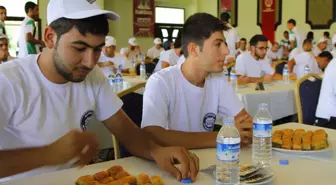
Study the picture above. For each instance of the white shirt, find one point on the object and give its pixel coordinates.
(172, 102)
(271, 55)
(169, 56)
(36, 112)
(326, 107)
(297, 36)
(293, 53)
(247, 65)
(239, 52)
(330, 45)
(153, 52)
(316, 51)
(118, 61)
(181, 60)
(26, 48)
(333, 52)
(231, 37)
(132, 54)
(303, 59)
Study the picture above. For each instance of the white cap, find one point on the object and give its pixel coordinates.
(76, 9)
(123, 51)
(132, 41)
(157, 41)
(334, 39)
(3, 36)
(322, 40)
(110, 41)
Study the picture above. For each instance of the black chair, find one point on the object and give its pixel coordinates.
(150, 66)
(307, 94)
(156, 60)
(279, 67)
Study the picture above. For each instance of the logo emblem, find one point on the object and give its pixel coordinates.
(85, 119)
(209, 121)
(268, 3)
(91, 1)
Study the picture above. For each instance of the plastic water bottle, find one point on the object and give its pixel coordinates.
(262, 137)
(111, 79)
(119, 78)
(306, 70)
(285, 74)
(233, 78)
(228, 150)
(226, 72)
(143, 69)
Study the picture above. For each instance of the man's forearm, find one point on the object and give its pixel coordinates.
(189, 140)
(20, 160)
(256, 80)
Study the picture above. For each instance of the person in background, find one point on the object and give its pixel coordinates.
(274, 53)
(107, 58)
(181, 102)
(285, 45)
(167, 46)
(326, 35)
(133, 49)
(321, 46)
(170, 57)
(27, 40)
(231, 36)
(3, 16)
(333, 51)
(4, 53)
(296, 37)
(310, 36)
(47, 101)
(255, 66)
(154, 52)
(242, 47)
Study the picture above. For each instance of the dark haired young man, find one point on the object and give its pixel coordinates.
(27, 40)
(181, 102)
(231, 36)
(3, 16)
(242, 47)
(47, 100)
(296, 37)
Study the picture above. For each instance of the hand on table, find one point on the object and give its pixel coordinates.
(244, 125)
(166, 157)
(75, 143)
(244, 79)
(268, 78)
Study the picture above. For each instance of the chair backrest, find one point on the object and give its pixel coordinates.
(156, 60)
(307, 94)
(279, 67)
(150, 66)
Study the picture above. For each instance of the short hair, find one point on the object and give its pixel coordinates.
(286, 32)
(326, 54)
(225, 16)
(326, 33)
(310, 35)
(29, 5)
(307, 41)
(177, 43)
(166, 45)
(96, 25)
(243, 39)
(2, 8)
(292, 21)
(257, 38)
(198, 28)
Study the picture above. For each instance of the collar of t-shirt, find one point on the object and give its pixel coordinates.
(191, 87)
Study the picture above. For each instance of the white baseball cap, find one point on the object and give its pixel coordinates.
(76, 9)
(110, 41)
(132, 41)
(322, 40)
(157, 41)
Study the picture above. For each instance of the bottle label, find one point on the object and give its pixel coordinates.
(285, 72)
(262, 130)
(228, 152)
(233, 77)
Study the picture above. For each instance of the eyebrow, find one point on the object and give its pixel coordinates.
(87, 45)
(220, 40)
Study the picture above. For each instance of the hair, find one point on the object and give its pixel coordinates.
(2, 8)
(256, 39)
(166, 45)
(198, 28)
(243, 39)
(96, 25)
(326, 54)
(29, 5)
(326, 33)
(307, 41)
(177, 43)
(292, 21)
(225, 16)
(286, 32)
(310, 35)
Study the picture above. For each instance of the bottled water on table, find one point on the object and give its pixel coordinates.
(143, 69)
(228, 151)
(285, 74)
(262, 137)
(306, 70)
(233, 78)
(119, 78)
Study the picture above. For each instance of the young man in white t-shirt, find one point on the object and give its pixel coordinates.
(320, 46)
(47, 101)
(242, 47)
(3, 16)
(170, 57)
(154, 52)
(4, 54)
(231, 37)
(254, 66)
(181, 102)
(296, 36)
(274, 53)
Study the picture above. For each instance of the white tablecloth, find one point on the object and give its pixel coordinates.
(300, 171)
(279, 97)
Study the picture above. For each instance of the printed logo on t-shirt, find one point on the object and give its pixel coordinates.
(85, 119)
(209, 121)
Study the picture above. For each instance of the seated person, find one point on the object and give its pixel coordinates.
(321, 46)
(133, 49)
(242, 47)
(4, 53)
(154, 52)
(254, 66)
(170, 57)
(181, 102)
(274, 53)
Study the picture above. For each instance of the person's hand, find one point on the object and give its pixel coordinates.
(74, 144)
(292, 76)
(166, 157)
(268, 78)
(244, 125)
(244, 79)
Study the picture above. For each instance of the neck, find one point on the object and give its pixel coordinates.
(48, 69)
(193, 73)
(253, 56)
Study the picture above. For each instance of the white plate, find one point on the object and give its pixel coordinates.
(303, 151)
(263, 182)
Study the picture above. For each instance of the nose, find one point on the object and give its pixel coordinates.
(91, 58)
(225, 50)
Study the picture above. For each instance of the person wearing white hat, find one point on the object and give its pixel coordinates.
(107, 57)
(320, 46)
(47, 101)
(154, 52)
(133, 49)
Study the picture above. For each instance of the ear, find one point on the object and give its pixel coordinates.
(193, 49)
(50, 37)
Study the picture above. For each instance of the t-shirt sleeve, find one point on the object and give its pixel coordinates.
(107, 102)
(229, 103)
(155, 103)
(29, 27)
(167, 57)
(267, 67)
(240, 67)
(7, 105)
(292, 36)
(150, 53)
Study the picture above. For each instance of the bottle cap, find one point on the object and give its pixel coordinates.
(283, 162)
(186, 181)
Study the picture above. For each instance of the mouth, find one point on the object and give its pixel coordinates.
(83, 72)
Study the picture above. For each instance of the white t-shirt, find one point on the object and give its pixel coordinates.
(168, 56)
(181, 60)
(231, 37)
(132, 54)
(26, 48)
(330, 45)
(271, 55)
(316, 51)
(36, 112)
(172, 102)
(326, 107)
(118, 61)
(247, 65)
(297, 36)
(303, 59)
(333, 52)
(154, 53)
(293, 53)
(239, 52)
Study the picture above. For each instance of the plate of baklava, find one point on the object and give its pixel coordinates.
(300, 141)
(116, 175)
